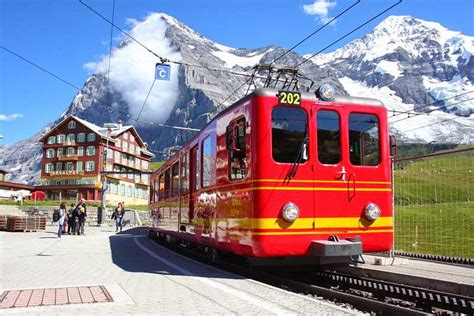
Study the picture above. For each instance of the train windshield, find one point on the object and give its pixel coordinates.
(289, 135)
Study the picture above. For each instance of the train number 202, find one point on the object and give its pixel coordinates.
(289, 97)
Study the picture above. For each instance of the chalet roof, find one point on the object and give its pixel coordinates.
(103, 131)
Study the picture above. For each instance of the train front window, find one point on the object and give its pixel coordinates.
(364, 147)
(289, 135)
(329, 142)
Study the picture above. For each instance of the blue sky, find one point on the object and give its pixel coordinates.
(62, 36)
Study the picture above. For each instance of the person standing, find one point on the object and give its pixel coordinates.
(71, 225)
(82, 216)
(62, 214)
(119, 213)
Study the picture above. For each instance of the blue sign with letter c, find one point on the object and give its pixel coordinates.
(162, 72)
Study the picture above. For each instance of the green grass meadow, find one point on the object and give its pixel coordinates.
(434, 205)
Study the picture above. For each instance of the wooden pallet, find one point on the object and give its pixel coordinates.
(26, 223)
(3, 222)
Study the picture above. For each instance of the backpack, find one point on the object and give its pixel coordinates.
(56, 215)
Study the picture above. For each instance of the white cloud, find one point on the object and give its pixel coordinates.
(320, 9)
(133, 68)
(10, 117)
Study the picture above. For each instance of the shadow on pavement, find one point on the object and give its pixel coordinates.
(130, 257)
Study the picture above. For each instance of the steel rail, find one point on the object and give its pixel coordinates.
(424, 298)
(230, 265)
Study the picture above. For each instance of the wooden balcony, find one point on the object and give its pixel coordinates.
(67, 158)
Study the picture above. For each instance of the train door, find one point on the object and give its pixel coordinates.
(349, 169)
(368, 173)
(330, 172)
(193, 180)
(184, 199)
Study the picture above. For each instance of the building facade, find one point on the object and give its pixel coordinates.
(77, 152)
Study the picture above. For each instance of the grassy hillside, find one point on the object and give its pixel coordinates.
(434, 205)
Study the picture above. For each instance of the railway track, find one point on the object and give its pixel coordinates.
(374, 295)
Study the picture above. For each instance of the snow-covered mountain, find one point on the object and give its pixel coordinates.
(405, 62)
(409, 64)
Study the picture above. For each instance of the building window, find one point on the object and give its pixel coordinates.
(119, 143)
(80, 151)
(124, 174)
(329, 143)
(71, 125)
(364, 139)
(71, 138)
(145, 164)
(132, 148)
(60, 152)
(48, 167)
(132, 138)
(51, 139)
(79, 166)
(81, 137)
(117, 156)
(50, 153)
(61, 138)
(70, 151)
(110, 154)
(130, 173)
(91, 137)
(125, 135)
(124, 146)
(122, 189)
(90, 151)
(59, 166)
(69, 166)
(90, 166)
(137, 163)
(137, 150)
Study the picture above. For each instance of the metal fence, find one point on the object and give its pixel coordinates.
(434, 203)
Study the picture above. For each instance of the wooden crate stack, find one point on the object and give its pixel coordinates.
(3, 222)
(26, 223)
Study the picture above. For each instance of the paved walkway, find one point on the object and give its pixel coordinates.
(141, 277)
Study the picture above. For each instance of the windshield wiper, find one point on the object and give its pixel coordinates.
(302, 154)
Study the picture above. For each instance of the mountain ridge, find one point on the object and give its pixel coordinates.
(197, 93)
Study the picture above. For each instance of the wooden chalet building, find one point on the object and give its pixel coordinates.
(74, 157)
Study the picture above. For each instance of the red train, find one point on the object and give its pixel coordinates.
(282, 177)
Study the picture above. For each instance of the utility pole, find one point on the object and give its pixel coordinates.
(105, 187)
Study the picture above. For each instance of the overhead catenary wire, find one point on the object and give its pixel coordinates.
(316, 31)
(144, 102)
(110, 44)
(349, 33)
(433, 103)
(431, 124)
(126, 114)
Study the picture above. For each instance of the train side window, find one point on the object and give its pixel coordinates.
(329, 137)
(185, 174)
(237, 149)
(208, 161)
(195, 161)
(167, 184)
(364, 147)
(289, 135)
(155, 191)
(161, 186)
(175, 179)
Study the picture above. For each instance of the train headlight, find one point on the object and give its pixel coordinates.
(372, 212)
(290, 212)
(325, 92)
